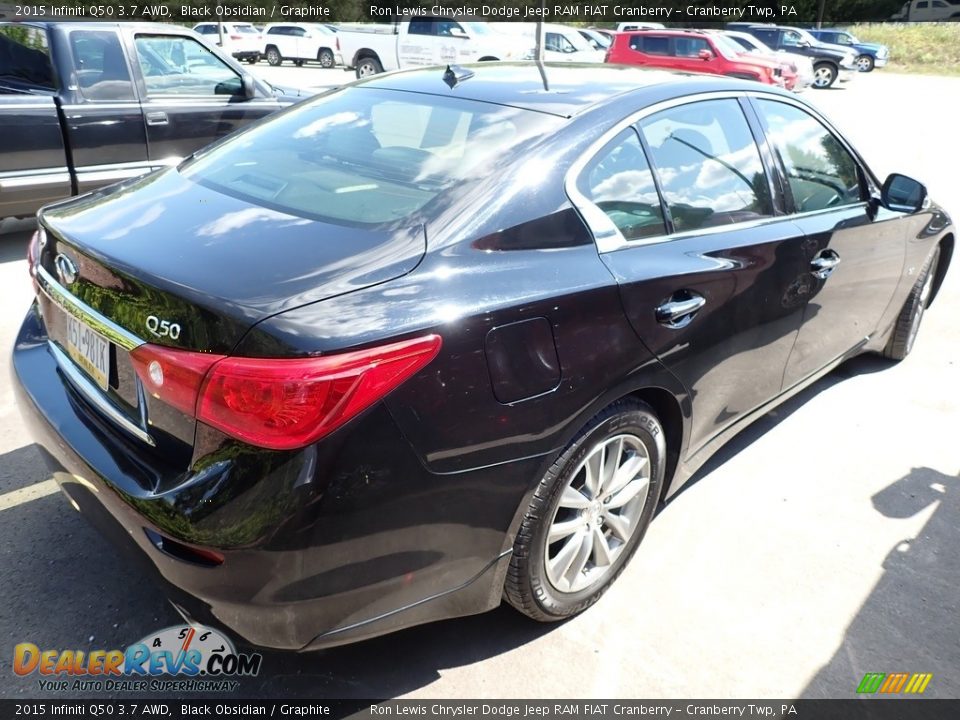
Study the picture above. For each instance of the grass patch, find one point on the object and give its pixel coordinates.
(929, 48)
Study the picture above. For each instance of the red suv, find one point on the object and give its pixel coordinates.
(696, 51)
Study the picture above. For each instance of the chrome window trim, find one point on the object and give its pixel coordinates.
(608, 237)
(80, 310)
(93, 394)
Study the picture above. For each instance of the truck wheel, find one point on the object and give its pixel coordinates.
(824, 75)
(864, 63)
(368, 66)
(273, 56)
(325, 58)
(254, 59)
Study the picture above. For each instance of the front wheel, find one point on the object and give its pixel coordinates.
(325, 58)
(588, 514)
(273, 56)
(368, 66)
(864, 63)
(824, 75)
(911, 314)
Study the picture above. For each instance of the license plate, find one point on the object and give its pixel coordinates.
(89, 350)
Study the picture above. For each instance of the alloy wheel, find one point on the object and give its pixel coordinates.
(822, 77)
(598, 512)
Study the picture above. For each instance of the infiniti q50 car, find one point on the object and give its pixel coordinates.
(445, 337)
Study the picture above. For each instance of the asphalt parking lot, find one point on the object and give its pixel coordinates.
(820, 544)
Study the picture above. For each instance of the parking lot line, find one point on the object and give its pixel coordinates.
(24, 495)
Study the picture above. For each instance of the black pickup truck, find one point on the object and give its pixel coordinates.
(83, 105)
(831, 63)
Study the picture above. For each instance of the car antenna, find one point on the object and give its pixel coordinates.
(454, 75)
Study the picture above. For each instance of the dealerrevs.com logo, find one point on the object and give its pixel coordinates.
(181, 658)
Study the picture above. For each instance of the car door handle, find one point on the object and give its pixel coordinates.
(824, 263)
(678, 311)
(157, 118)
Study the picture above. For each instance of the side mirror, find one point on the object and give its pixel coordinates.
(705, 55)
(903, 194)
(804, 43)
(458, 33)
(248, 86)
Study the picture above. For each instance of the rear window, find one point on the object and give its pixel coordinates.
(366, 156)
(25, 56)
(246, 29)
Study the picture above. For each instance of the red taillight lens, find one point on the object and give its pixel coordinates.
(174, 376)
(280, 403)
(236, 37)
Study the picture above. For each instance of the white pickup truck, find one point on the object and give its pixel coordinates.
(373, 48)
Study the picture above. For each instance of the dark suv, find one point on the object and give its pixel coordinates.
(831, 63)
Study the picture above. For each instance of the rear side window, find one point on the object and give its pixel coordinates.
(708, 164)
(25, 56)
(618, 181)
(420, 27)
(102, 71)
(820, 171)
(363, 156)
(655, 45)
(767, 36)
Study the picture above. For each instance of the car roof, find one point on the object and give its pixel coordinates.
(564, 89)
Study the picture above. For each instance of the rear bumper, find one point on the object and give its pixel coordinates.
(321, 547)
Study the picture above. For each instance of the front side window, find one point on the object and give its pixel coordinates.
(558, 43)
(618, 181)
(174, 65)
(102, 71)
(363, 156)
(25, 56)
(820, 171)
(708, 164)
(689, 47)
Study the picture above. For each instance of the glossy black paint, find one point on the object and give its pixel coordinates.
(408, 513)
(56, 143)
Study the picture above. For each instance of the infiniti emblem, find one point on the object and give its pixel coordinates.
(66, 269)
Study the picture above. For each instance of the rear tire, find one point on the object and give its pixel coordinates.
(253, 60)
(273, 56)
(325, 58)
(911, 315)
(824, 75)
(592, 506)
(368, 66)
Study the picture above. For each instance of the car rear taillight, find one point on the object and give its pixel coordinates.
(280, 403)
(173, 376)
(236, 37)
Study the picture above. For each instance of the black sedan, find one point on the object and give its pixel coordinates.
(449, 336)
